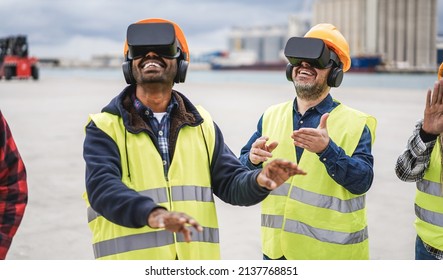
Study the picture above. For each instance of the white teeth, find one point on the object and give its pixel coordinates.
(151, 64)
(305, 72)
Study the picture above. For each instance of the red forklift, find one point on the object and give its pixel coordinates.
(14, 59)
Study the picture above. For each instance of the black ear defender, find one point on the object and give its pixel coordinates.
(335, 76)
(182, 69)
(127, 72)
(289, 69)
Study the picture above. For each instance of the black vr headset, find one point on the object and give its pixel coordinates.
(315, 52)
(156, 37)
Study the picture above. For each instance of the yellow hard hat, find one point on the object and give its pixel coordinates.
(440, 71)
(178, 33)
(334, 40)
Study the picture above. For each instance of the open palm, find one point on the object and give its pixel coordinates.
(433, 116)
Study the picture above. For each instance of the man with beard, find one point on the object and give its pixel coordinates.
(321, 215)
(154, 160)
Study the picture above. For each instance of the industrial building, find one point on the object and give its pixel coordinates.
(397, 35)
(267, 41)
(402, 32)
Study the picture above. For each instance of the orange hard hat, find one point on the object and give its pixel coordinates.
(334, 40)
(178, 33)
(440, 71)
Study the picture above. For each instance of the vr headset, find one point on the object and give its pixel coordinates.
(315, 52)
(311, 50)
(156, 37)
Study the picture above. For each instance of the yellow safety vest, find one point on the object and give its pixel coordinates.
(188, 189)
(429, 203)
(311, 216)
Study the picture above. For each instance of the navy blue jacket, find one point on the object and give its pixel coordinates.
(230, 180)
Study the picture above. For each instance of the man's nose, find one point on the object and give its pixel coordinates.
(305, 64)
(151, 54)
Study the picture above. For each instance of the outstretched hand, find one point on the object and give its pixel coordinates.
(260, 151)
(433, 116)
(173, 221)
(314, 140)
(277, 172)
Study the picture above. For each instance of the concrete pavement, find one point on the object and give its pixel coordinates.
(47, 119)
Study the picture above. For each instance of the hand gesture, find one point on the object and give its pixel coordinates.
(314, 140)
(277, 172)
(260, 152)
(173, 221)
(433, 117)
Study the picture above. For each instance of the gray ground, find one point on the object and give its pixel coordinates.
(47, 119)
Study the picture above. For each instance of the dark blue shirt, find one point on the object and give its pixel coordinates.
(355, 173)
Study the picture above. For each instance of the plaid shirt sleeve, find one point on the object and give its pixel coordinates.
(414, 160)
(13, 188)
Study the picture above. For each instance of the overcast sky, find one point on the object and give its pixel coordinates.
(81, 28)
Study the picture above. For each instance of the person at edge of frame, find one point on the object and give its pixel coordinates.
(13, 188)
(421, 162)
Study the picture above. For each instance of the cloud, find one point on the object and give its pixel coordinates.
(83, 27)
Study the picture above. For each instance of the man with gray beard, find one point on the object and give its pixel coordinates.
(321, 215)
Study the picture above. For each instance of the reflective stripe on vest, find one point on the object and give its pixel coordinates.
(276, 222)
(272, 221)
(330, 202)
(428, 216)
(315, 218)
(429, 187)
(429, 202)
(159, 195)
(322, 201)
(150, 240)
(187, 190)
(336, 237)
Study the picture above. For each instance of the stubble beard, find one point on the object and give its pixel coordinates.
(150, 79)
(310, 91)
(166, 77)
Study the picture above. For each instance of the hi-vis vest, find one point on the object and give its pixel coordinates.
(429, 203)
(187, 190)
(311, 216)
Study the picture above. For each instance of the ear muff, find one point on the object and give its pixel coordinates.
(182, 68)
(335, 76)
(127, 72)
(289, 68)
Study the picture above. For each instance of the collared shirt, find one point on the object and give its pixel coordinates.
(160, 129)
(413, 162)
(13, 188)
(355, 173)
(311, 118)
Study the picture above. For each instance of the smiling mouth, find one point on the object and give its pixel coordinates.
(151, 65)
(306, 72)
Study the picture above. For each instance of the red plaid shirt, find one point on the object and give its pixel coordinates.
(13, 188)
